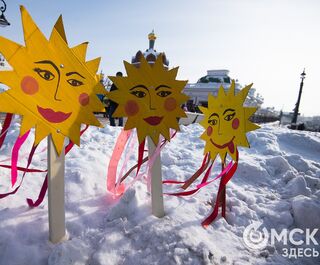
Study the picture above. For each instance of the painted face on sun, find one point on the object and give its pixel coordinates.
(150, 97)
(52, 86)
(226, 122)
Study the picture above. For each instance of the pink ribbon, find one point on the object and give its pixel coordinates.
(6, 124)
(122, 140)
(33, 149)
(114, 161)
(130, 148)
(14, 156)
(44, 186)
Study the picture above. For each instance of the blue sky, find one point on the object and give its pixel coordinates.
(265, 42)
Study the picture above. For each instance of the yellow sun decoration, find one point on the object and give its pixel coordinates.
(51, 86)
(226, 122)
(151, 98)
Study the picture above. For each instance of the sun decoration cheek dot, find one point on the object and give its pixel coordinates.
(131, 108)
(170, 104)
(235, 123)
(84, 99)
(209, 131)
(29, 85)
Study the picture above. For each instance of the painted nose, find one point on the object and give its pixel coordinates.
(219, 128)
(152, 101)
(56, 94)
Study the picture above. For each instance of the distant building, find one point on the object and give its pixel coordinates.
(150, 54)
(210, 83)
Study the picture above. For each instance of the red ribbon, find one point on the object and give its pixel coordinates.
(140, 155)
(225, 175)
(23, 169)
(221, 194)
(190, 192)
(27, 170)
(195, 175)
(6, 124)
(44, 186)
(33, 149)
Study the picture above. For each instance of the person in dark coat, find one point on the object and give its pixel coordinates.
(113, 105)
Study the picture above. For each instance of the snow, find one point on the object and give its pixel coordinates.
(277, 183)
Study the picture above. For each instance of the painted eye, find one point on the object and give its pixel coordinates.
(212, 122)
(45, 74)
(75, 82)
(229, 117)
(163, 94)
(138, 94)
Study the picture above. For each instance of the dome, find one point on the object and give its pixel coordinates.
(150, 54)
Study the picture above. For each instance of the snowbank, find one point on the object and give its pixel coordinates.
(277, 183)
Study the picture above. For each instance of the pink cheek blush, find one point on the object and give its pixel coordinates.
(29, 85)
(209, 130)
(235, 123)
(84, 99)
(170, 104)
(131, 108)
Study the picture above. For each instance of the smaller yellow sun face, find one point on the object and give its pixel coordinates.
(150, 97)
(52, 86)
(226, 122)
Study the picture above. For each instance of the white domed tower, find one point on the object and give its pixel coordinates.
(150, 54)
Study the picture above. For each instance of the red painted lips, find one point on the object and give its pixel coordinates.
(153, 120)
(229, 144)
(53, 116)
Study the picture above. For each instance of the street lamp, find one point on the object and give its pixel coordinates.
(3, 21)
(296, 108)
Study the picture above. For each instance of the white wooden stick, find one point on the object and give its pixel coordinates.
(57, 226)
(156, 182)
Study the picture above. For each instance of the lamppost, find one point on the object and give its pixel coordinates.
(3, 21)
(296, 108)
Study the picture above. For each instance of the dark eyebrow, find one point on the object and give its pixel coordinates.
(161, 86)
(49, 62)
(227, 110)
(214, 114)
(72, 73)
(142, 86)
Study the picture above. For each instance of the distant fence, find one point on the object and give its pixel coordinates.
(264, 118)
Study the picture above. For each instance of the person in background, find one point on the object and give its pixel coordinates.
(184, 107)
(113, 105)
(106, 104)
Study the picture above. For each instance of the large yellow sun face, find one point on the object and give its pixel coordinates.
(226, 122)
(51, 85)
(150, 97)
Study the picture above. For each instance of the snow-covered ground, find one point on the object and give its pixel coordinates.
(277, 183)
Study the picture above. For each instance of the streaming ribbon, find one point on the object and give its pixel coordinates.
(225, 175)
(14, 168)
(221, 196)
(4, 130)
(117, 187)
(44, 187)
(14, 156)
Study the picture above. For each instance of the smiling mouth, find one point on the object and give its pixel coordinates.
(53, 116)
(229, 144)
(153, 120)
